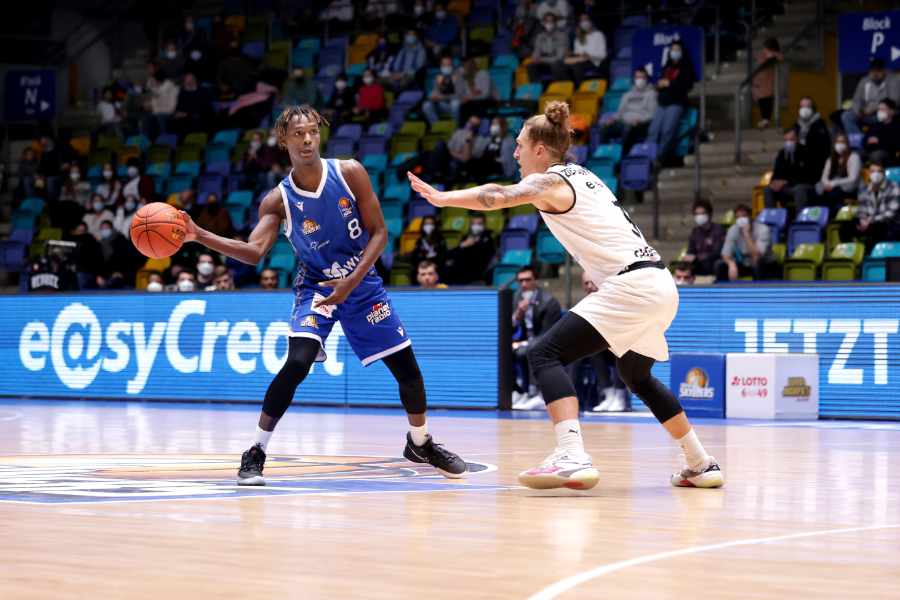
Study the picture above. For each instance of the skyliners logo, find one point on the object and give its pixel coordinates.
(79, 347)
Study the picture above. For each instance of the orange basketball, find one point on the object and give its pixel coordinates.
(158, 230)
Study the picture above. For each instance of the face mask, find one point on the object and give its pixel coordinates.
(876, 177)
(255, 144)
(882, 116)
(340, 84)
(368, 80)
(205, 268)
(477, 228)
(840, 148)
(271, 141)
(171, 54)
(440, 14)
(681, 281)
(805, 112)
(410, 40)
(196, 54)
(640, 83)
(527, 295)
(75, 176)
(129, 205)
(428, 228)
(585, 25)
(701, 219)
(742, 221)
(107, 174)
(447, 69)
(39, 183)
(418, 10)
(790, 146)
(675, 55)
(495, 130)
(105, 233)
(132, 172)
(185, 285)
(98, 206)
(154, 286)
(549, 26)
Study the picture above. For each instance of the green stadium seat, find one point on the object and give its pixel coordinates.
(804, 262)
(159, 154)
(198, 138)
(189, 153)
(844, 262)
(833, 229)
(400, 276)
(452, 238)
(494, 221)
(779, 251)
(454, 218)
(522, 209)
(413, 128)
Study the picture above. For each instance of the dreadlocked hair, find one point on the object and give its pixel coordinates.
(551, 128)
(288, 115)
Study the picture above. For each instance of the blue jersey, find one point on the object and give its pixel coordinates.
(325, 228)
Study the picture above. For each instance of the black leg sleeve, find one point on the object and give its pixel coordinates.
(634, 369)
(301, 354)
(405, 369)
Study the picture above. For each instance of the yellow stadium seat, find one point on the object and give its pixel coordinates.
(547, 98)
(594, 86)
(561, 88)
(408, 243)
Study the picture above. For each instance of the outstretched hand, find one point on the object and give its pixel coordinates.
(433, 196)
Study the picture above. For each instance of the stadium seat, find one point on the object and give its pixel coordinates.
(804, 262)
(210, 184)
(893, 174)
(608, 153)
(373, 145)
(549, 250)
(502, 79)
(188, 167)
(528, 91)
(140, 141)
(504, 274)
(375, 162)
(833, 229)
(517, 257)
(875, 264)
(636, 173)
(454, 218)
(283, 261)
(506, 61)
(159, 169)
(239, 198)
(167, 139)
(779, 251)
(178, 183)
(421, 208)
(843, 264)
(12, 256)
(494, 221)
(227, 137)
(352, 131)
(527, 222)
(808, 227)
(188, 153)
(776, 219)
(340, 148)
(198, 138)
(514, 239)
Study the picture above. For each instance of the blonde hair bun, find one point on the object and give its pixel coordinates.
(557, 112)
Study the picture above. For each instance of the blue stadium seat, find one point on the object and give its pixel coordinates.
(167, 139)
(874, 266)
(504, 274)
(502, 79)
(645, 149)
(178, 183)
(218, 152)
(159, 169)
(383, 129)
(210, 184)
(807, 228)
(776, 219)
(351, 131)
(240, 198)
(549, 250)
(508, 61)
(636, 173)
(373, 145)
(238, 216)
(188, 167)
(517, 257)
(529, 91)
(227, 137)
(12, 256)
(420, 207)
(374, 163)
(528, 223)
(514, 239)
(340, 148)
(893, 174)
(609, 153)
(580, 154)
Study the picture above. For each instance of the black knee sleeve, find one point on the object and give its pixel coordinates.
(405, 369)
(634, 370)
(301, 354)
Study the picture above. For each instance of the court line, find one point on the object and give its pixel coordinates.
(564, 585)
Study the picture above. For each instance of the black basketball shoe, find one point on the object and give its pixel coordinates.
(447, 463)
(252, 463)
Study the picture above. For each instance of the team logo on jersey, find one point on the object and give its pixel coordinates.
(338, 270)
(310, 226)
(345, 206)
(380, 312)
(310, 321)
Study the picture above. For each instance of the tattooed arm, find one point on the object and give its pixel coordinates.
(546, 191)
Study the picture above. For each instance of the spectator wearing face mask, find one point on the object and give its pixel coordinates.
(96, 215)
(268, 279)
(443, 32)
(427, 276)
(124, 214)
(76, 189)
(747, 250)
(535, 310)
(379, 59)
(468, 262)
(110, 189)
(261, 157)
(109, 113)
(558, 8)
(155, 282)
(186, 282)
(878, 217)
(632, 119)
(340, 106)
(673, 87)
(870, 91)
(136, 184)
(300, 89)
(684, 274)
(121, 260)
(882, 141)
(206, 269)
(193, 112)
(840, 176)
(793, 176)
(476, 90)
(408, 61)
(493, 153)
(370, 100)
(706, 240)
(430, 245)
(588, 55)
(549, 52)
(812, 134)
(446, 93)
(171, 61)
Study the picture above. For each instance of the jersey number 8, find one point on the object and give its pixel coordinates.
(354, 228)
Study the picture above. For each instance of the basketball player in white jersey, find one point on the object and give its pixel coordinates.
(629, 313)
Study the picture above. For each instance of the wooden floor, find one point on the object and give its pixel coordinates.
(137, 501)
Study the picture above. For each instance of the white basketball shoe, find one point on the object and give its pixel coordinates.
(561, 469)
(707, 475)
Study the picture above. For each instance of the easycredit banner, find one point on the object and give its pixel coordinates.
(228, 346)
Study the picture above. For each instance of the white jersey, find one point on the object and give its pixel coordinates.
(597, 230)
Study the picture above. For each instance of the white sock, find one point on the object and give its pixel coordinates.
(262, 437)
(568, 436)
(694, 453)
(419, 434)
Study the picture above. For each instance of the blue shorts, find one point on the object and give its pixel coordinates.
(367, 317)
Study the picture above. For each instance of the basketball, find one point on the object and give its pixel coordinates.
(158, 230)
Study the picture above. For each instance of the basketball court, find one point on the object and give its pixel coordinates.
(137, 500)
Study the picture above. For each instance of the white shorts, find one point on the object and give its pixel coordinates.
(633, 311)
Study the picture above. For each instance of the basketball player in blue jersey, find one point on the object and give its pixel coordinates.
(335, 225)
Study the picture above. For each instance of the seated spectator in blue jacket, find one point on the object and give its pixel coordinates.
(870, 90)
(747, 250)
(840, 177)
(446, 93)
(632, 119)
(793, 175)
(443, 31)
(882, 141)
(878, 217)
(673, 86)
(408, 61)
(706, 240)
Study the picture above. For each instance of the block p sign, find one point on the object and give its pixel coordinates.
(863, 36)
(30, 95)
